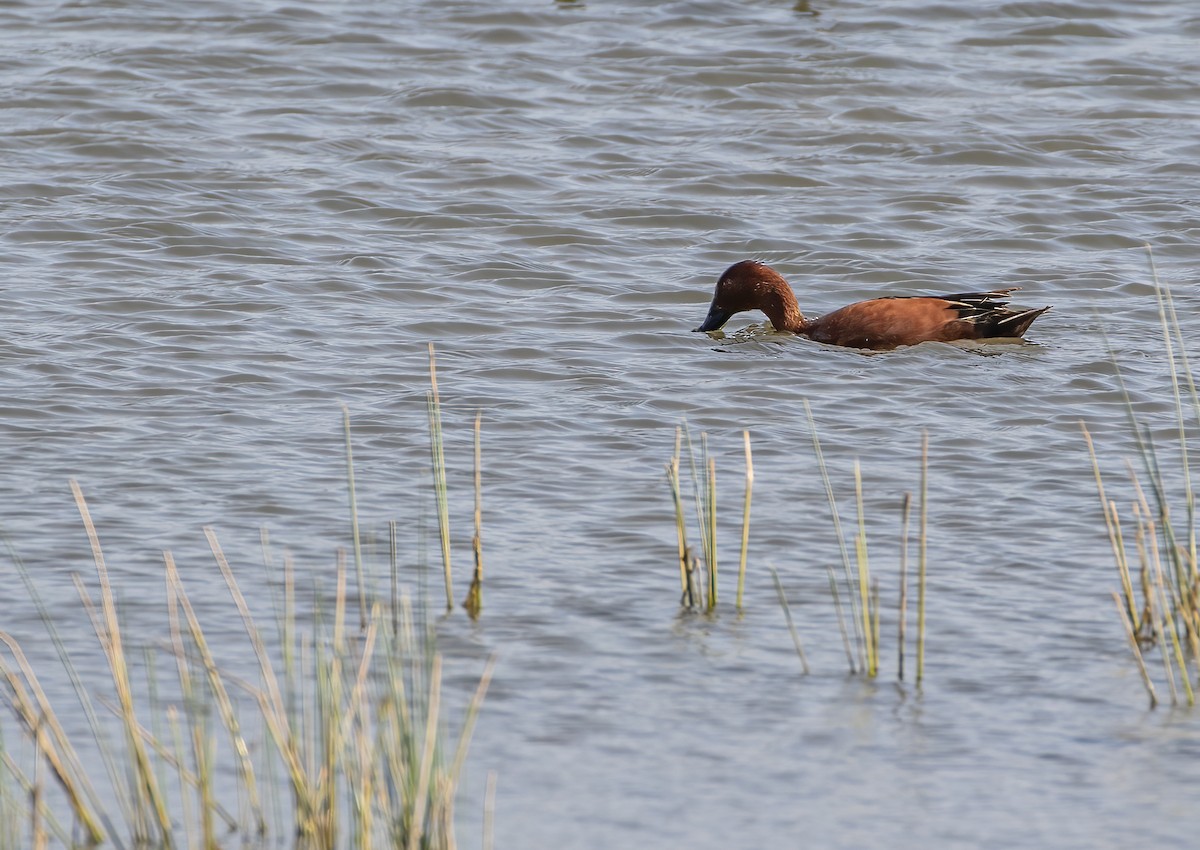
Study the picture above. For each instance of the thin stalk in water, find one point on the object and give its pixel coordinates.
(1137, 650)
(474, 600)
(745, 520)
(837, 530)
(906, 510)
(712, 533)
(441, 492)
(921, 557)
(864, 573)
(686, 575)
(354, 533)
(787, 614)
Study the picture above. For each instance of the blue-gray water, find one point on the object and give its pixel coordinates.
(219, 220)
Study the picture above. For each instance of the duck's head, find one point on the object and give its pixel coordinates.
(751, 285)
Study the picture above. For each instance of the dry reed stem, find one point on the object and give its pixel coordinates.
(1137, 651)
(745, 520)
(115, 651)
(685, 581)
(864, 575)
(245, 767)
(1165, 607)
(11, 806)
(271, 700)
(439, 475)
(83, 696)
(37, 828)
(489, 812)
(427, 753)
(42, 724)
(200, 749)
(1113, 524)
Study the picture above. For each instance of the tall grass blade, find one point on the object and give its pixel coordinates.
(110, 637)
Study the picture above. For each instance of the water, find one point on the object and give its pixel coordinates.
(220, 220)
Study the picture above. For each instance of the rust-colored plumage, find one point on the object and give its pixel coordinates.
(879, 323)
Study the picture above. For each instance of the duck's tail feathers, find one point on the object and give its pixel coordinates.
(1017, 323)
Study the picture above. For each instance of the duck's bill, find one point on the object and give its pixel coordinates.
(715, 319)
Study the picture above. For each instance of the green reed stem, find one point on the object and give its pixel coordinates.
(787, 614)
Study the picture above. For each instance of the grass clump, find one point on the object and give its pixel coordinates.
(699, 574)
(1166, 612)
(861, 641)
(700, 583)
(351, 729)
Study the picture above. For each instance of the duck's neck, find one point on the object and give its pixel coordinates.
(783, 311)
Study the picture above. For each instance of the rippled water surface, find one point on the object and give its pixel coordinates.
(222, 219)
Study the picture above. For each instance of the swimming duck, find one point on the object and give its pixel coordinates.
(879, 323)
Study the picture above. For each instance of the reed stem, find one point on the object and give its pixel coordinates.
(860, 637)
(441, 491)
(905, 512)
(921, 560)
(745, 520)
(864, 573)
(787, 614)
(355, 537)
(712, 533)
(1137, 651)
(474, 600)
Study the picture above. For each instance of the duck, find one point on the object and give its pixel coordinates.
(878, 324)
